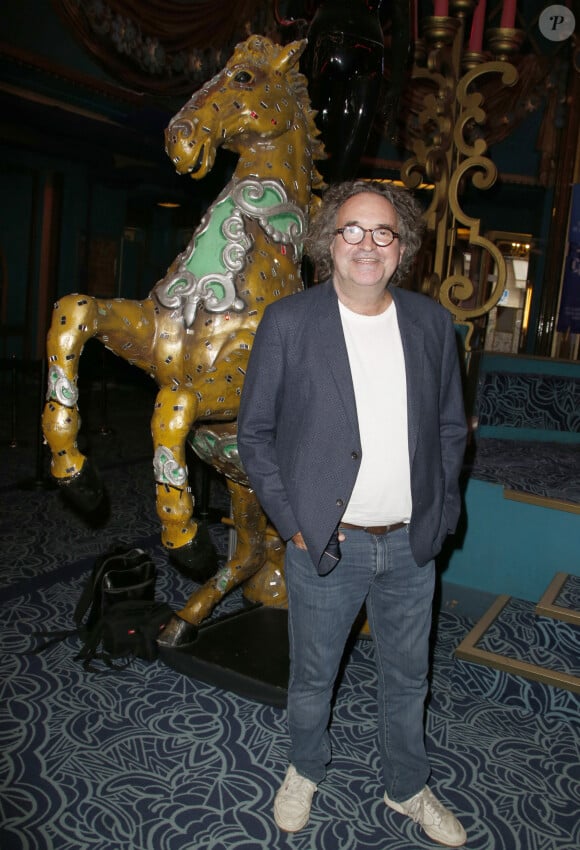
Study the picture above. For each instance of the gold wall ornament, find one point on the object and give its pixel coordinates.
(450, 149)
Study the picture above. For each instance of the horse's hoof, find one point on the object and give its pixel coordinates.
(85, 490)
(177, 634)
(198, 560)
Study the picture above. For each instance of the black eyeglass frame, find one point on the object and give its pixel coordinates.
(371, 230)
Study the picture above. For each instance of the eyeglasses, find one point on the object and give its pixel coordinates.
(353, 234)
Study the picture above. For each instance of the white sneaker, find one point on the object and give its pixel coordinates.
(293, 801)
(437, 821)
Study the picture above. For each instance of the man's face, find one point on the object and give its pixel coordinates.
(365, 268)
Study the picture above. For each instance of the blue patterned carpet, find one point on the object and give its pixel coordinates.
(147, 759)
(540, 468)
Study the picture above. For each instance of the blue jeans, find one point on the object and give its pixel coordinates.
(381, 571)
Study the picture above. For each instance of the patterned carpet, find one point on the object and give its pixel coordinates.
(541, 468)
(148, 759)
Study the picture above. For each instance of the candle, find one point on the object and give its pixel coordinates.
(508, 14)
(441, 8)
(477, 25)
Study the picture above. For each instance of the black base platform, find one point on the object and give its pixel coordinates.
(245, 652)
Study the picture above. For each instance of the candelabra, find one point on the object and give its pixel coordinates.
(450, 147)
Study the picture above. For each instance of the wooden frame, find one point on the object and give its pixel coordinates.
(547, 607)
(469, 651)
(541, 501)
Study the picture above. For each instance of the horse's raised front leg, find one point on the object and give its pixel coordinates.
(75, 320)
(187, 541)
(248, 559)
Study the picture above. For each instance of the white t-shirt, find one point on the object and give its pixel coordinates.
(382, 492)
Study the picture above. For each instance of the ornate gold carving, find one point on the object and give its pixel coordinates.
(452, 150)
(504, 41)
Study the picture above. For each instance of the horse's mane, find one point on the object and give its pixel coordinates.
(261, 50)
(299, 85)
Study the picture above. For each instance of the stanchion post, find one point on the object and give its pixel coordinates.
(13, 411)
(40, 481)
(39, 478)
(104, 430)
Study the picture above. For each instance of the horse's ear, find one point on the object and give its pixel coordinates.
(289, 55)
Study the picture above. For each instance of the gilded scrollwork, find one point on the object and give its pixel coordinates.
(449, 151)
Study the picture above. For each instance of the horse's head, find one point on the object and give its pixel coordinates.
(258, 95)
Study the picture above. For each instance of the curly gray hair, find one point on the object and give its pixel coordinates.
(410, 223)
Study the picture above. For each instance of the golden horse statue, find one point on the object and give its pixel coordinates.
(194, 332)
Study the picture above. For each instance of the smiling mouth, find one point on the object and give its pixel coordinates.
(198, 163)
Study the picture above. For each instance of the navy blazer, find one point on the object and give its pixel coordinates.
(298, 435)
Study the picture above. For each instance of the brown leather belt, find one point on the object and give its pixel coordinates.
(374, 529)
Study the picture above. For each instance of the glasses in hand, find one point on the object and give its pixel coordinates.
(353, 234)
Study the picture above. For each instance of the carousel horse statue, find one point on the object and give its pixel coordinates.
(194, 332)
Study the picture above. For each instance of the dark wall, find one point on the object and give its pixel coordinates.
(82, 171)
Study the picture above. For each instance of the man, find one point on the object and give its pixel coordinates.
(352, 432)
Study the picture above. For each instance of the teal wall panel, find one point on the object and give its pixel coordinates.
(511, 547)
